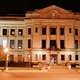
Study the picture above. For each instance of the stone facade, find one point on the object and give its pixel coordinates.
(39, 31)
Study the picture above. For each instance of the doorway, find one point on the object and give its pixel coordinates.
(53, 58)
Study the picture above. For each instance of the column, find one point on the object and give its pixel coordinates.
(58, 36)
(48, 37)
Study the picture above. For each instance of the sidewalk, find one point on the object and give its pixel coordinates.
(55, 69)
(18, 69)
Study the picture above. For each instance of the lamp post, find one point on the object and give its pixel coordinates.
(6, 64)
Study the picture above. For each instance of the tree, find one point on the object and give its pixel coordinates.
(2, 55)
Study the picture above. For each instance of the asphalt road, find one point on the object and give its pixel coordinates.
(54, 74)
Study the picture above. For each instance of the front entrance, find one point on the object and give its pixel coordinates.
(53, 58)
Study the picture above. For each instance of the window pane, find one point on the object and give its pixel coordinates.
(43, 31)
(36, 29)
(76, 44)
(29, 43)
(43, 44)
(44, 57)
(52, 43)
(4, 43)
(76, 31)
(29, 30)
(53, 31)
(70, 57)
(19, 44)
(11, 58)
(20, 58)
(4, 32)
(36, 57)
(20, 32)
(12, 44)
(62, 57)
(69, 30)
(76, 57)
(62, 44)
(12, 32)
(62, 31)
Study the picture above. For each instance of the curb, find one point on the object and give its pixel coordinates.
(24, 71)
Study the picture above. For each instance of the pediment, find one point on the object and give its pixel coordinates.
(50, 12)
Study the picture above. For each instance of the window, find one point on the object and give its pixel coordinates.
(76, 31)
(69, 30)
(19, 44)
(43, 31)
(12, 44)
(4, 43)
(52, 43)
(36, 29)
(29, 31)
(62, 31)
(20, 32)
(43, 44)
(36, 57)
(20, 58)
(76, 44)
(11, 58)
(70, 57)
(29, 43)
(76, 57)
(44, 57)
(62, 57)
(4, 32)
(53, 31)
(62, 44)
(12, 32)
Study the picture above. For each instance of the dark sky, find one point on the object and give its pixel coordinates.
(19, 7)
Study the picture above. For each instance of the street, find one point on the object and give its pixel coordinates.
(53, 74)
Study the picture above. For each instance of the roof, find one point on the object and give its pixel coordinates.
(52, 12)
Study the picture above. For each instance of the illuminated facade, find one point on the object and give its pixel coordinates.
(34, 37)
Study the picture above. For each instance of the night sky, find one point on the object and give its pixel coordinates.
(19, 7)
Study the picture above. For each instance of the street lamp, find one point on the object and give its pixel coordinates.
(6, 52)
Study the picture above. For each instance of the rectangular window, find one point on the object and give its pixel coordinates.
(4, 32)
(76, 31)
(69, 30)
(11, 58)
(44, 57)
(29, 43)
(12, 32)
(53, 31)
(4, 43)
(20, 58)
(62, 31)
(20, 32)
(76, 57)
(53, 43)
(29, 31)
(70, 57)
(43, 31)
(76, 44)
(62, 57)
(36, 57)
(43, 44)
(36, 29)
(62, 44)
(19, 44)
(12, 44)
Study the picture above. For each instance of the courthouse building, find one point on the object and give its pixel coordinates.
(35, 37)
